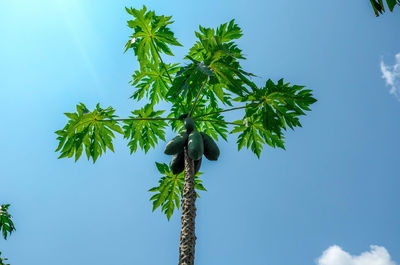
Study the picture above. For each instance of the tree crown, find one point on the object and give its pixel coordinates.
(211, 83)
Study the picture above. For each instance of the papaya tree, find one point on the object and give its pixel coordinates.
(6, 226)
(379, 7)
(211, 83)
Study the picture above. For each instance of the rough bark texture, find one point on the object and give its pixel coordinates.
(188, 219)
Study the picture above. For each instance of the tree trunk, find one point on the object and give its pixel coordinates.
(188, 219)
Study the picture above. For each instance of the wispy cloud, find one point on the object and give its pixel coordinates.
(391, 74)
(334, 255)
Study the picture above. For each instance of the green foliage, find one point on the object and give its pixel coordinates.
(6, 224)
(270, 110)
(151, 34)
(169, 191)
(212, 80)
(152, 82)
(214, 64)
(92, 131)
(146, 129)
(379, 7)
(213, 124)
(2, 260)
(187, 83)
(217, 50)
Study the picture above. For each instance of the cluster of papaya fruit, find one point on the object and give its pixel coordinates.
(198, 144)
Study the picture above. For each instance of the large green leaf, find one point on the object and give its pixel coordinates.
(269, 111)
(89, 131)
(169, 191)
(145, 128)
(152, 82)
(281, 104)
(253, 135)
(228, 32)
(151, 35)
(220, 54)
(214, 66)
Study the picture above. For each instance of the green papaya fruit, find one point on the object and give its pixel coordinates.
(195, 145)
(177, 164)
(189, 124)
(197, 164)
(211, 150)
(176, 145)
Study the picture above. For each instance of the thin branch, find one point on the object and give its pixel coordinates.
(165, 68)
(162, 62)
(143, 119)
(130, 119)
(216, 112)
(197, 98)
(224, 122)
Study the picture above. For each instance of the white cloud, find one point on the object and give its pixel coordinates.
(336, 256)
(391, 74)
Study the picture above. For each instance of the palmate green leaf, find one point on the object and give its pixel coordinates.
(271, 110)
(152, 82)
(89, 131)
(220, 54)
(284, 101)
(169, 191)
(281, 104)
(253, 135)
(151, 35)
(6, 224)
(145, 133)
(214, 65)
(216, 44)
(228, 32)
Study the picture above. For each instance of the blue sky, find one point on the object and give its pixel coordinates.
(336, 184)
